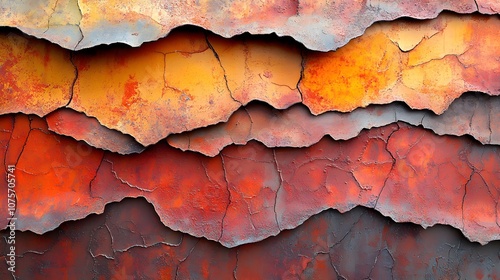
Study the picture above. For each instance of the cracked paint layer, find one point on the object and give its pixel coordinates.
(163, 87)
(35, 76)
(260, 68)
(472, 114)
(347, 78)
(128, 241)
(55, 170)
(320, 25)
(251, 192)
(175, 78)
(55, 20)
(260, 193)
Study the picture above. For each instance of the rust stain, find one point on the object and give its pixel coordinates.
(347, 78)
(250, 192)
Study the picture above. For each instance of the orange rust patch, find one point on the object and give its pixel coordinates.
(261, 68)
(349, 78)
(161, 88)
(432, 71)
(35, 76)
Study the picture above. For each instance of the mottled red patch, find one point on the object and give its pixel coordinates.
(130, 92)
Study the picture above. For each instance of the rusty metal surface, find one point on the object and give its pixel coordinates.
(246, 178)
(160, 88)
(55, 171)
(128, 241)
(35, 76)
(251, 192)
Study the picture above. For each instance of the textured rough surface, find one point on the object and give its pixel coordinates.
(55, 172)
(242, 145)
(474, 114)
(55, 20)
(261, 68)
(251, 192)
(455, 47)
(163, 87)
(35, 76)
(130, 242)
(320, 25)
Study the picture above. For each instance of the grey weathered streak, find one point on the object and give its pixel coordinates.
(320, 25)
(474, 114)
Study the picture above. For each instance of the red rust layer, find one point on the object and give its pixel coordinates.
(251, 192)
(128, 241)
(53, 174)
